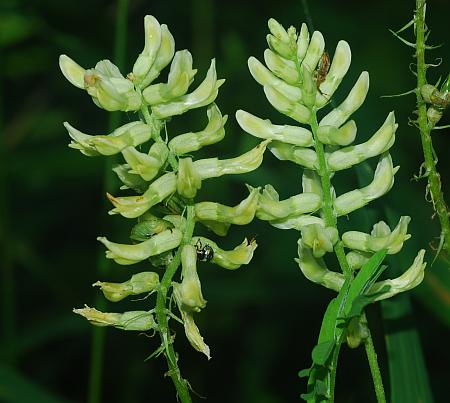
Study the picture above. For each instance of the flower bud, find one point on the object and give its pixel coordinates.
(265, 129)
(315, 270)
(311, 182)
(163, 58)
(434, 115)
(130, 134)
(213, 133)
(429, 93)
(314, 53)
(320, 239)
(342, 136)
(241, 214)
(189, 293)
(138, 284)
(72, 71)
(133, 320)
(408, 280)
(192, 333)
(180, 77)
(338, 69)
(301, 156)
(189, 298)
(271, 208)
(282, 48)
(381, 184)
(296, 222)
(203, 95)
(219, 228)
(277, 30)
(134, 206)
(109, 89)
(284, 69)
(381, 237)
(356, 259)
(130, 254)
(129, 180)
(309, 88)
(247, 162)
(354, 100)
(267, 79)
(380, 142)
(357, 331)
(188, 178)
(302, 42)
(146, 165)
(281, 103)
(152, 42)
(148, 226)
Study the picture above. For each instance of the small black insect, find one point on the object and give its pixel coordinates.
(204, 252)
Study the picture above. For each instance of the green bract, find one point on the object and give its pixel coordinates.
(166, 178)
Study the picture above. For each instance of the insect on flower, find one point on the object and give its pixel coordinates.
(204, 252)
(322, 69)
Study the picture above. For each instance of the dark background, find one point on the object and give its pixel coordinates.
(261, 321)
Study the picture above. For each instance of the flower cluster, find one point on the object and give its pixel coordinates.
(164, 175)
(299, 81)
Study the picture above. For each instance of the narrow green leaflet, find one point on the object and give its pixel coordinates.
(351, 299)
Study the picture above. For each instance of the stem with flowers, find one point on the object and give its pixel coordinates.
(165, 178)
(299, 81)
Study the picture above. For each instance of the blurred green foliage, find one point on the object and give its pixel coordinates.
(262, 321)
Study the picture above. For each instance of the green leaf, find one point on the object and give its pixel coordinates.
(322, 352)
(361, 301)
(407, 371)
(303, 373)
(365, 278)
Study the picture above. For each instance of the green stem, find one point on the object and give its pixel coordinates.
(434, 181)
(333, 365)
(375, 369)
(98, 333)
(327, 206)
(157, 125)
(181, 384)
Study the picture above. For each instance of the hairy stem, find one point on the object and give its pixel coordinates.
(181, 384)
(157, 124)
(374, 369)
(434, 181)
(333, 365)
(327, 206)
(331, 220)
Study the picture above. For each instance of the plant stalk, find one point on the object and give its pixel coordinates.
(434, 181)
(327, 206)
(374, 368)
(180, 384)
(331, 220)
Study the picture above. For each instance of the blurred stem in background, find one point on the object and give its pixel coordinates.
(98, 333)
(203, 31)
(8, 322)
